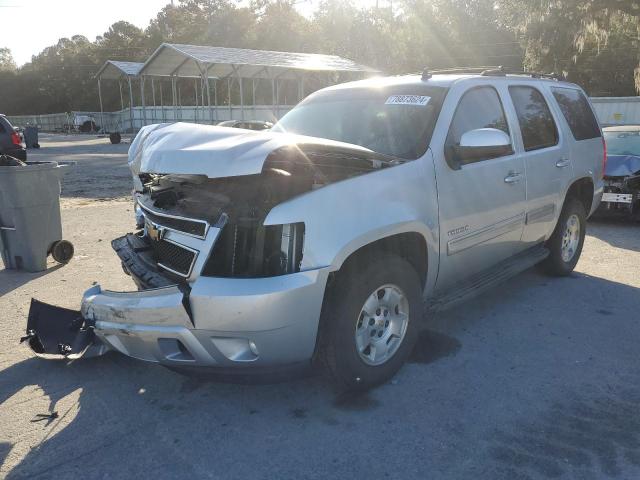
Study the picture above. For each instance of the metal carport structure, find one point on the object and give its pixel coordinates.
(236, 65)
(117, 70)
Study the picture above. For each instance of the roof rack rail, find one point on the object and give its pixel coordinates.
(490, 71)
(454, 70)
(503, 71)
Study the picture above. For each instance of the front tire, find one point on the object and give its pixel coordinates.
(370, 321)
(565, 244)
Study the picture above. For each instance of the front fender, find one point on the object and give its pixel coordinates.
(342, 217)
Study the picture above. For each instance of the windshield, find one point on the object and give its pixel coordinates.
(623, 143)
(396, 122)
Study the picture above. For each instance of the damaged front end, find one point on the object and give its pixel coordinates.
(622, 186)
(216, 286)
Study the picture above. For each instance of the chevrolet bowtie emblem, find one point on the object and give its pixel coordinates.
(155, 232)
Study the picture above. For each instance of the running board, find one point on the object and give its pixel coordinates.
(489, 278)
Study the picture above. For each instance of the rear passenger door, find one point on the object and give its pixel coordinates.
(546, 156)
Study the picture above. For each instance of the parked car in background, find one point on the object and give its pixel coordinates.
(320, 241)
(247, 124)
(622, 172)
(10, 140)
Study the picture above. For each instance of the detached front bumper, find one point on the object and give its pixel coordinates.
(223, 322)
(232, 324)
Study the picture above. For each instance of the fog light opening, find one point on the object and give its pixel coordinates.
(174, 349)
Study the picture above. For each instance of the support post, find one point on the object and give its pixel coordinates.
(277, 99)
(273, 93)
(142, 100)
(130, 104)
(202, 97)
(241, 98)
(215, 97)
(153, 96)
(206, 81)
(205, 78)
(102, 126)
(253, 98)
(195, 90)
(229, 93)
(174, 99)
(300, 88)
(162, 103)
(179, 99)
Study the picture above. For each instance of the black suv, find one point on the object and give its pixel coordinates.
(10, 141)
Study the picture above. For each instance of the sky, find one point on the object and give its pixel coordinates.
(36, 24)
(28, 26)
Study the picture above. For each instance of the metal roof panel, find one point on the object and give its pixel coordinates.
(170, 59)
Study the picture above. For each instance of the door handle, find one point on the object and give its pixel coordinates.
(562, 163)
(513, 178)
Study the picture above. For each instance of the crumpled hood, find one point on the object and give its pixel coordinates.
(622, 165)
(191, 149)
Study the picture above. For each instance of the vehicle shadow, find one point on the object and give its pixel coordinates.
(13, 279)
(621, 232)
(135, 419)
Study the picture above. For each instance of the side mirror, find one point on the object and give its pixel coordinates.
(481, 144)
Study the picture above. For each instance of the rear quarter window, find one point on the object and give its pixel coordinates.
(577, 111)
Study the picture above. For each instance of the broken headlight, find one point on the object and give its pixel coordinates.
(246, 248)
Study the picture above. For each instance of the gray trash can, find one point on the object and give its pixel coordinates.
(30, 225)
(31, 136)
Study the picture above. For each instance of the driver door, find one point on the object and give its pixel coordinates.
(482, 202)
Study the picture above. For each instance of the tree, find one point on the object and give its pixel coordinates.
(7, 64)
(122, 41)
(280, 27)
(593, 41)
(452, 33)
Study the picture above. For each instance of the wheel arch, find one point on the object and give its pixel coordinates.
(409, 245)
(582, 189)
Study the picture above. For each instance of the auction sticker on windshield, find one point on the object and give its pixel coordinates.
(418, 100)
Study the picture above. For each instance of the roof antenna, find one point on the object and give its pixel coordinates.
(426, 75)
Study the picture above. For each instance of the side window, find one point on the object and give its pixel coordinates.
(536, 122)
(576, 110)
(478, 108)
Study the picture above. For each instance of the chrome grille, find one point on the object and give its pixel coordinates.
(196, 228)
(173, 257)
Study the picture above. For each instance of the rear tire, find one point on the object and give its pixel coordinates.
(358, 350)
(565, 244)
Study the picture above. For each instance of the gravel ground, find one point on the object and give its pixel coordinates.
(537, 379)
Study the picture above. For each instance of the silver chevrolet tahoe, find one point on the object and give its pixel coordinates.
(330, 239)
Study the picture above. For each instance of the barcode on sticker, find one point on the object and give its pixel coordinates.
(419, 100)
